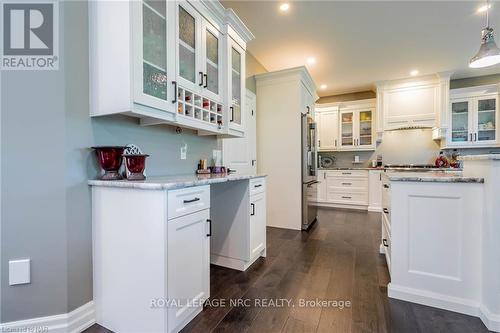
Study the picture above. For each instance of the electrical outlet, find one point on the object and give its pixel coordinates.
(184, 152)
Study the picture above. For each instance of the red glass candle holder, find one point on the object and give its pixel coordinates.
(110, 160)
(136, 165)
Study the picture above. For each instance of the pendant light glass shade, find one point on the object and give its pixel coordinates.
(489, 53)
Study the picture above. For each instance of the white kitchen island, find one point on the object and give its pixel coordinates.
(431, 236)
(154, 240)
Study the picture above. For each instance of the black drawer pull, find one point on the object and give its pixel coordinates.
(385, 210)
(253, 209)
(346, 197)
(386, 186)
(384, 241)
(346, 183)
(346, 173)
(192, 200)
(259, 185)
(209, 227)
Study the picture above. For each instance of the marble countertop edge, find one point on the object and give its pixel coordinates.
(480, 157)
(172, 182)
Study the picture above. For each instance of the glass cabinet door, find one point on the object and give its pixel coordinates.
(212, 62)
(187, 40)
(365, 128)
(460, 121)
(347, 129)
(486, 119)
(154, 48)
(236, 103)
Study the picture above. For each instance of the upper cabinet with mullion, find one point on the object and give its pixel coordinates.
(473, 117)
(167, 62)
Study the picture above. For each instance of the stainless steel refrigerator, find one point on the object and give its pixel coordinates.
(309, 170)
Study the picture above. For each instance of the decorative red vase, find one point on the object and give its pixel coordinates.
(110, 160)
(136, 165)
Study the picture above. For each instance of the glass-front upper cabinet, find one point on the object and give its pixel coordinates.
(347, 129)
(460, 121)
(486, 119)
(365, 125)
(236, 77)
(151, 62)
(212, 62)
(189, 73)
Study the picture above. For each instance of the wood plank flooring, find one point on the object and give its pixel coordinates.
(336, 260)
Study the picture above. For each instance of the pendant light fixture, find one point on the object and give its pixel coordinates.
(489, 53)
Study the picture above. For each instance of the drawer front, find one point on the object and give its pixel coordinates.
(350, 198)
(257, 185)
(188, 200)
(347, 173)
(345, 183)
(386, 243)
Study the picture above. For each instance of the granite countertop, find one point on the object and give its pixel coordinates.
(480, 157)
(433, 177)
(173, 182)
(398, 169)
(351, 168)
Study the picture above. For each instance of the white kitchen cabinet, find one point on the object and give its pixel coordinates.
(356, 130)
(257, 224)
(131, 65)
(240, 154)
(166, 62)
(236, 78)
(327, 120)
(321, 186)
(375, 190)
(415, 102)
(188, 266)
(473, 118)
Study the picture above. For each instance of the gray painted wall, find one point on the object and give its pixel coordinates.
(45, 200)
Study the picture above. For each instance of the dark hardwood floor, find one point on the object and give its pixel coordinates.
(336, 260)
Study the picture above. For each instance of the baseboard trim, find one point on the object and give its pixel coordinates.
(336, 205)
(75, 321)
(440, 301)
(233, 263)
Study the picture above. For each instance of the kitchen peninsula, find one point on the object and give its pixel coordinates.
(154, 240)
(433, 239)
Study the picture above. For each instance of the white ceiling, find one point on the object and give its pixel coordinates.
(358, 43)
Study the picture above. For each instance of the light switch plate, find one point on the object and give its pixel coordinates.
(19, 271)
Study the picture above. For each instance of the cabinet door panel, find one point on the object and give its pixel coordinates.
(236, 76)
(328, 130)
(188, 265)
(460, 117)
(486, 119)
(188, 44)
(212, 51)
(347, 129)
(257, 224)
(365, 125)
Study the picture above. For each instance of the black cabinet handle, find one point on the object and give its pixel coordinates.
(346, 173)
(386, 186)
(192, 200)
(232, 113)
(319, 143)
(209, 227)
(308, 109)
(385, 210)
(259, 185)
(346, 197)
(201, 78)
(384, 241)
(253, 162)
(475, 136)
(346, 183)
(175, 92)
(335, 142)
(206, 80)
(253, 209)
(470, 137)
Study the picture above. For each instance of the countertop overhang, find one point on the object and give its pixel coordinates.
(432, 177)
(172, 182)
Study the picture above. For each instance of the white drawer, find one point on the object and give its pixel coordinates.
(386, 243)
(257, 185)
(351, 198)
(346, 183)
(188, 200)
(347, 173)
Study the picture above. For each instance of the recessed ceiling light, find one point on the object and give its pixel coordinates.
(483, 8)
(284, 7)
(414, 72)
(323, 86)
(311, 60)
